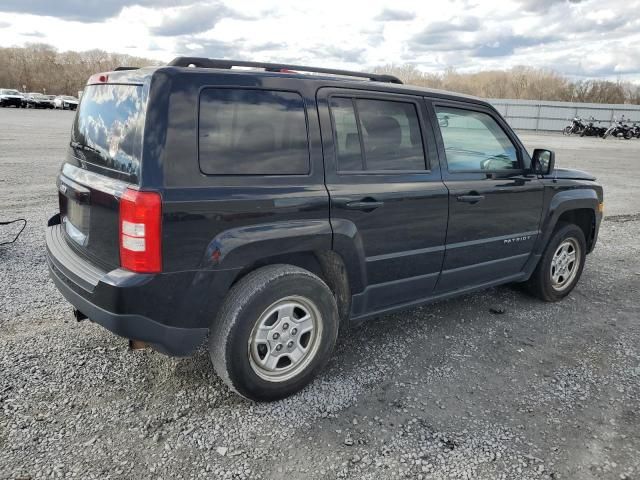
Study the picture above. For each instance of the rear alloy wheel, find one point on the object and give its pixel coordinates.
(561, 265)
(285, 339)
(274, 332)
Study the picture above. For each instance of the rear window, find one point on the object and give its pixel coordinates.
(252, 132)
(107, 131)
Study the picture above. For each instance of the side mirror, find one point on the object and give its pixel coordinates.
(543, 161)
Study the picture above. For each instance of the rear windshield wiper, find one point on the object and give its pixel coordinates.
(87, 148)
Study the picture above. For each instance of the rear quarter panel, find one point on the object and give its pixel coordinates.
(222, 222)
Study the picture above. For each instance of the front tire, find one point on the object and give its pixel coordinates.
(274, 332)
(567, 130)
(561, 264)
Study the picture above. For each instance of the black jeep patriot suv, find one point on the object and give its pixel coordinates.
(270, 206)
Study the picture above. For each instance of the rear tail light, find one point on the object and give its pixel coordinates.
(140, 231)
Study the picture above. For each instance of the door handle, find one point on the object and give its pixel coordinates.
(365, 204)
(470, 198)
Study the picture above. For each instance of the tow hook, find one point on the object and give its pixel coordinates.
(78, 315)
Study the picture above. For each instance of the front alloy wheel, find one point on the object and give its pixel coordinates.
(565, 264)
(560, 267)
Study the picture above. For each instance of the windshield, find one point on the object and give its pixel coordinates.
(107, 131)
(66, 97)
(10, 92)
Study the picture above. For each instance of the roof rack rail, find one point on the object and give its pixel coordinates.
(118, 69)
(276, 67)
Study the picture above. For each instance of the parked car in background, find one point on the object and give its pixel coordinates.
(11, 98)
(65, 102)
(37, 100)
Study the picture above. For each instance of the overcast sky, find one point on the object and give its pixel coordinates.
(589, 38)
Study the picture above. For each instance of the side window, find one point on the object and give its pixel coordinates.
(390, 133)
(474, 141)
(252, 132)
(346, 136)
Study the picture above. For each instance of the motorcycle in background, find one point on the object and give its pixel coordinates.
(618, 129)
(576, 126)
(591, 130)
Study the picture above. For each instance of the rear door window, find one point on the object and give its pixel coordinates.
(377, 135)
(252, 132)
(346, 136)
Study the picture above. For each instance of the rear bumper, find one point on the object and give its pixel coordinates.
(121, 301)
(16, 102)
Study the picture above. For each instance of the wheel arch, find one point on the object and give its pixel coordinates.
(331, 250)
(578, 206)
(326, 264)
(585, 218)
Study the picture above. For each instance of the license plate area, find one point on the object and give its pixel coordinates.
(75, 210)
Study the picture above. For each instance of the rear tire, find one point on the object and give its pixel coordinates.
(274, 332)
(561, 265)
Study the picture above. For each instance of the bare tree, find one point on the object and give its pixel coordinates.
(40, 67)
(520, 82)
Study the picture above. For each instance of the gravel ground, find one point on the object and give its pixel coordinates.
(450, 390)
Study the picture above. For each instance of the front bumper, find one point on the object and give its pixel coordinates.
(121, 301)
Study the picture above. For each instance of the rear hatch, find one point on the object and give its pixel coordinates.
(103, 160)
